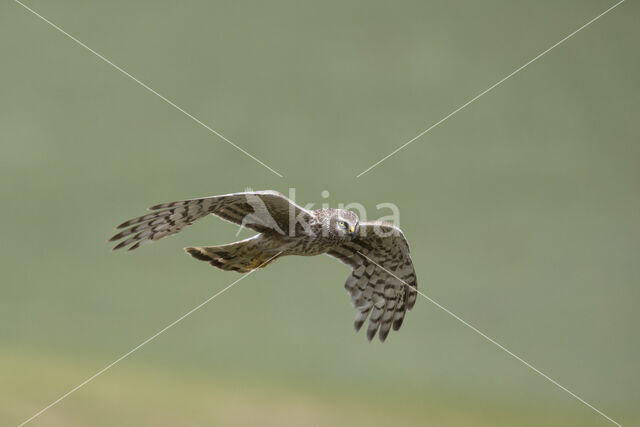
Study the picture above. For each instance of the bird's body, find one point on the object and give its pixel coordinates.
(382, 284)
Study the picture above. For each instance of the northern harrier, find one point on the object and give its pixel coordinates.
(382, 284)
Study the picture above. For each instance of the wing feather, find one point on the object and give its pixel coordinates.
(382, 283)
(258, 210)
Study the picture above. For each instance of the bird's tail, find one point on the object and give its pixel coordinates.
(242, 256)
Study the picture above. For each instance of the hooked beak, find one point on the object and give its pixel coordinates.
(352, 231)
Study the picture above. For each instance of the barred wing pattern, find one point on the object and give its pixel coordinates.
(259, 211)
(376, 293)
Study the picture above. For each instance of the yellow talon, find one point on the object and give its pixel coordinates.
(255, 263)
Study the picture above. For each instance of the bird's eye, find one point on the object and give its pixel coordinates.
(341, 224)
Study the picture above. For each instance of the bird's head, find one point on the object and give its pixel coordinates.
(343, 224)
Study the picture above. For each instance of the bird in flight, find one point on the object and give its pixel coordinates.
(382, 283)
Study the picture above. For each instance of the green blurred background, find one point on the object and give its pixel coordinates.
(521, 210)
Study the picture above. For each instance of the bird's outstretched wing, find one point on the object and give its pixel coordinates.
(257, 210)
(383, 282)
